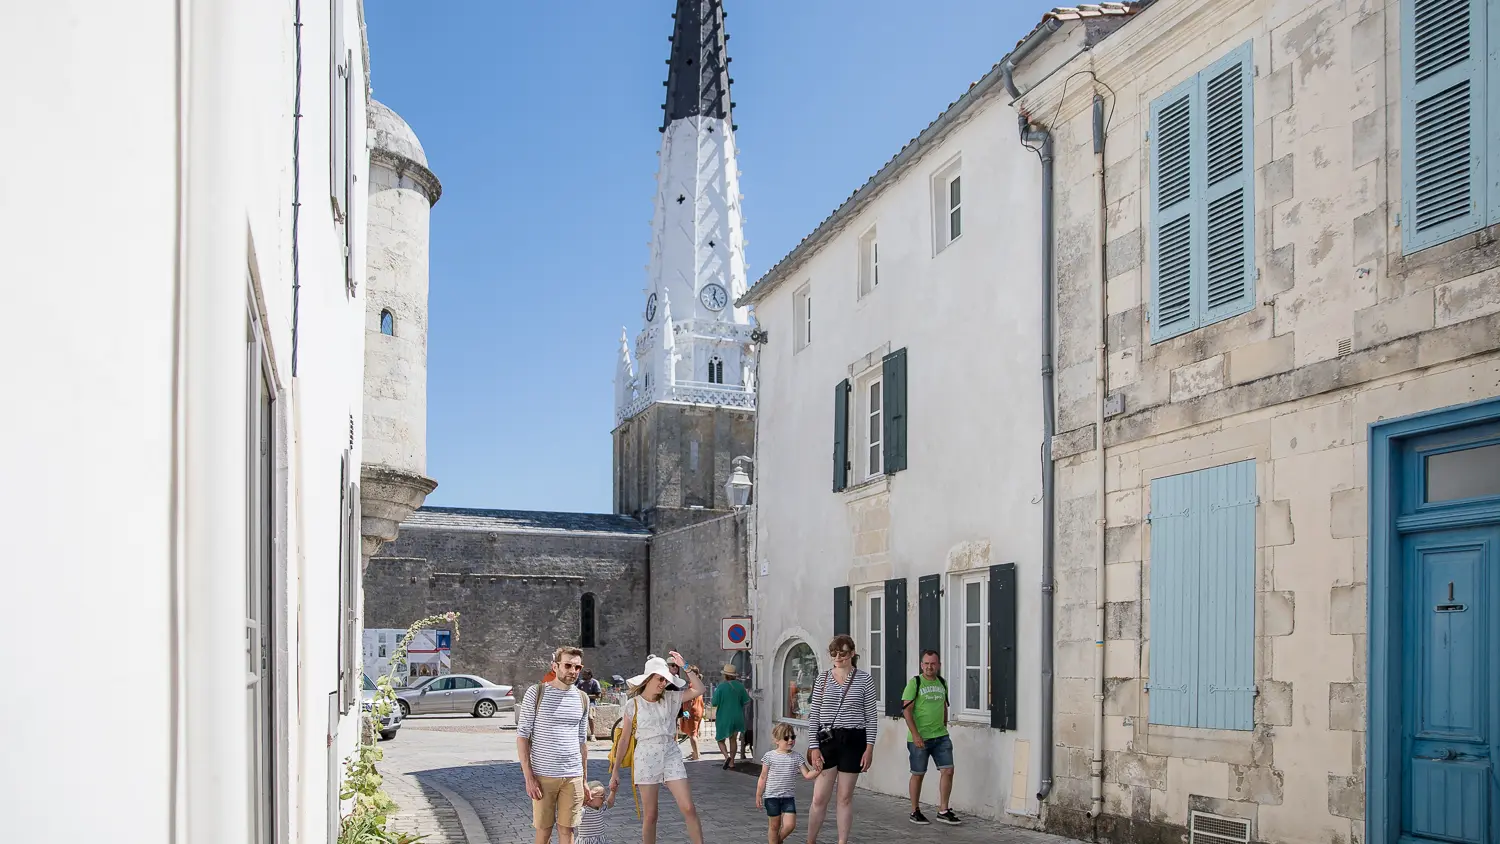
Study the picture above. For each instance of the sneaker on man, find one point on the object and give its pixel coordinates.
(948, 817)
(918, 818)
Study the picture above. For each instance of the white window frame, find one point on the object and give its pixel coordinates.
(866, 469)
(957, 628)
(872, 624)
(715, 370)
(869, 262)
(943, 208)
(802, 318)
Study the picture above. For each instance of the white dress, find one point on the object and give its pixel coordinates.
(658, 759)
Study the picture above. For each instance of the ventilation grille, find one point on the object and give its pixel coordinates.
(1204, 828)
(1345, 346)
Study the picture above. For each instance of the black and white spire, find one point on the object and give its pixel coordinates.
(698, 71)
(698, 350)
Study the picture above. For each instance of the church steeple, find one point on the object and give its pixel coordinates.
(698, 350)
(698, 71)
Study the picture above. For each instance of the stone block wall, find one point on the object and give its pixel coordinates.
(678, 457)
(1346, 330)
(699, 575)
(520, 596)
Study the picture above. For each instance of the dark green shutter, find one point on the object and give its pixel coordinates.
(895, 645)
(929, 613)
(893, 411)
(841, 604)
(1003, 691)
(841, 436)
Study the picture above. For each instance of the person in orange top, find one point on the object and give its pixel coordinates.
(690, 719)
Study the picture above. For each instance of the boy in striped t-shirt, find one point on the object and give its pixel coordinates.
(776, 791)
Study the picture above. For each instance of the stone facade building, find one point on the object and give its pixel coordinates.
(1278, 490)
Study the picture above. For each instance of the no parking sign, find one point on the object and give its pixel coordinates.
(736, 633)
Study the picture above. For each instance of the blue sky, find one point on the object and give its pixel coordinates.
(541, 119)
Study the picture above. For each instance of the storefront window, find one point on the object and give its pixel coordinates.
(798, 673)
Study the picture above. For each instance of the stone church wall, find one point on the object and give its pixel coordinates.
(520, 595)
(698, 576)
(678, 457)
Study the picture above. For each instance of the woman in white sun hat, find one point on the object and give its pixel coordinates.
(656, 697)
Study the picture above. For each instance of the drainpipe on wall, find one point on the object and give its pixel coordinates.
(1096, 758)
(1040, 140)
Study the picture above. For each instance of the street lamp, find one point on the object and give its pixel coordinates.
(737, 488)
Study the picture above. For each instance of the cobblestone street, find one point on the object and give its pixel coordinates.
(457, 782)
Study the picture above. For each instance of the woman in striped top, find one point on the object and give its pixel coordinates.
(844, 714)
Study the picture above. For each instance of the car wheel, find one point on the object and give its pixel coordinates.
(405, 708)
(388, 735)
(485, 708)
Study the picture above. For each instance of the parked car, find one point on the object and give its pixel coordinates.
(456, 693)
(390, 723)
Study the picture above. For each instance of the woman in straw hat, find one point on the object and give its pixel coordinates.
(729, 702)
(650, 715)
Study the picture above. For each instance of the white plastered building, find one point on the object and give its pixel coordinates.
(185, 222)
(904, 339)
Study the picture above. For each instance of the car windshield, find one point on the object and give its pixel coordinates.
(369, 687)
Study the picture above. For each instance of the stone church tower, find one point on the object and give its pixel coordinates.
(685, 394)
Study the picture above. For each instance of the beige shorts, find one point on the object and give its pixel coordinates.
(561, 803)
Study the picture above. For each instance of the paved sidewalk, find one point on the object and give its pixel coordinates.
(477, 766)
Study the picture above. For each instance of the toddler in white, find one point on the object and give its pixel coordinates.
(591, 828)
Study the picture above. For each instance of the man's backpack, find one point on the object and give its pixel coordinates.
(917, 679)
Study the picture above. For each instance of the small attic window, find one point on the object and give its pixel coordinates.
(387, 324)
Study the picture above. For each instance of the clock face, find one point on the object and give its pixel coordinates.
(714, 297)
(651, 307)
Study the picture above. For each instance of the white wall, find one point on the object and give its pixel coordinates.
(969, 318)
(128, 572)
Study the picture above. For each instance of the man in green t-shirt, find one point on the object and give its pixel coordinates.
(925, 705)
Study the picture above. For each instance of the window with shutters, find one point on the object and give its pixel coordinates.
(870, 420)
(1202, 611)
(968, 669)
(802, 318)
(1202, 206)
(715, 370)
(872, 638)
(869, 262)
(947, 205)
(1448, 150)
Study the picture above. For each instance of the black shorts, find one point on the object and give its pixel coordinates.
(845, 752)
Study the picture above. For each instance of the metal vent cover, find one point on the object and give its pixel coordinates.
(1204, 828)
(1346, 346)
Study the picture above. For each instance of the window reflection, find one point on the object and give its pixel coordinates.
(799, 672)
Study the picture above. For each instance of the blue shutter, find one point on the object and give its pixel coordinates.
(1228, 280)
(1443, 126)
(1203, 598)
(1174, 604)
(1226, 666)
(1173, 204)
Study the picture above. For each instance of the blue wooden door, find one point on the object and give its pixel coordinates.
(1449, 712)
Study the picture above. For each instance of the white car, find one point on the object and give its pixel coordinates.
(455, 693)
(390, 723)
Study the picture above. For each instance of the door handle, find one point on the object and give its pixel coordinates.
(1449, 755)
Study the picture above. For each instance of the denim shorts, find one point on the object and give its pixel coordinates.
(939, 750)
(777, 806)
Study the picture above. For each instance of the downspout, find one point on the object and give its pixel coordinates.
(1039, 139)
(1096, 758)
(296, 181)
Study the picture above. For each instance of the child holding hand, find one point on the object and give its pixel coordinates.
(591, 827)
(776, 790)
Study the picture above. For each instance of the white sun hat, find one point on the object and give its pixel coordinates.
(657, 666)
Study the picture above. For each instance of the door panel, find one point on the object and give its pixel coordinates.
(1448, 681)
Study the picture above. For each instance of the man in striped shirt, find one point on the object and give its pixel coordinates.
(552, 740)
